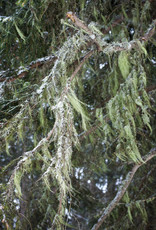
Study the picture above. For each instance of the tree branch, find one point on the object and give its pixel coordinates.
(122, 189)
(110, 48)
(22, 71)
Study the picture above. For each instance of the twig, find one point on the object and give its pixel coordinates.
(150, 32)
(26, 220)
(66, 89)
(4, 221)
(81, 64)
(122, 189)
(88, 132)
(80, 24)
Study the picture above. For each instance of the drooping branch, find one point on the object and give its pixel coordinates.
(46, 140)
(64, 143)
(122, 189)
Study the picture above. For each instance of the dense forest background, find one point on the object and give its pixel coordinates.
(78, 114)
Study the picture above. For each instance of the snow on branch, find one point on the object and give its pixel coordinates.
(22, 71)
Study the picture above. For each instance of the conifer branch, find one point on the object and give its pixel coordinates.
(22, 71)
(122, 189)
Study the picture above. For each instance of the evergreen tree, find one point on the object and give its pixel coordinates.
(77, 114)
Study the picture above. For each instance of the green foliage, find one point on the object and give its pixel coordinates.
(20, 130)
(17, 181)
(124, 64)
(141, 207)
(78, 107)
(19, 32)
(121, 110)
(7, 146)
(58, 104)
